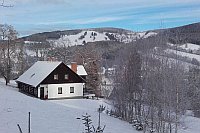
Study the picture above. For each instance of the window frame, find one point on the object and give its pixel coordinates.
(66, 75)
(60, 91)
(70, 91)
(55, 76)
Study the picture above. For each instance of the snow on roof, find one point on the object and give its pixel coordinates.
(41, 69)
(80, 70)
(38, 72)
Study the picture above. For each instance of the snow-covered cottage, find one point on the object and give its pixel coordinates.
(49, 80)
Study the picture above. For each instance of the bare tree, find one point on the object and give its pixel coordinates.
(88, 56)
(2, 4)
(8, 35)
(21, 63)
(60, 51)
(128, 93)
(148, 92)
(193, 92)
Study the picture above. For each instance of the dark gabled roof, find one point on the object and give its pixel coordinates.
(39, 71)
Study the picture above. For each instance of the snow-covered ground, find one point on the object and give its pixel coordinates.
(54, 116)
(146, 34)
(184, 54)
(191, 125)
(172, 61)
(30, 52)
(60, 116)
(107, 85)
(87, 36)
(190, 46)
(93, 36)
(187, 47)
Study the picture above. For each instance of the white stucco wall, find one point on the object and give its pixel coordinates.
(53, 90)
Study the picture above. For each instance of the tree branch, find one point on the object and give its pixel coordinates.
(4, 5)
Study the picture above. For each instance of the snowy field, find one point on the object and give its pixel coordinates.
(51, 116)
(184, 54)
(190, 46)
(60, 116)
(186, 46)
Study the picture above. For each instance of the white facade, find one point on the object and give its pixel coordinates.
(51, 90)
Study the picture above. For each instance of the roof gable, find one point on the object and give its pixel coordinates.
(38, 72)
(61, 71)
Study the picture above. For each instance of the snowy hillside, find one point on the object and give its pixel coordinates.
(185, 54)
(56, 116)
(60, 116)
(190, 46)
(146, 34)
(188, 51)
(93, 36)
(187, 47)
(83, 37)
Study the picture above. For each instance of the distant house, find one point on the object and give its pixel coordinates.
(50, 80)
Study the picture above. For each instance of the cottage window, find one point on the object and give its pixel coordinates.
(56, 77)
(59, 90)
(71, 89)
(35, 92)
(66, 76)
(22, 86)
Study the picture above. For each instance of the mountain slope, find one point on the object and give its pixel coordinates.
(82, 36)
(188, 33)
(178, 36)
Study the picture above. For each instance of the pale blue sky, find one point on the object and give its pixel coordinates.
(32, 16)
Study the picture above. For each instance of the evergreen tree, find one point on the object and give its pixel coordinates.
(87, 122)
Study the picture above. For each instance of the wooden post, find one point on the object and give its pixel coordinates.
(29, 122)
(99, 119)
(20, 130)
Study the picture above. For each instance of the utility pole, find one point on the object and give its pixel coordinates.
(99, 124)
(29, 122)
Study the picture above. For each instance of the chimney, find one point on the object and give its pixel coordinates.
(51, 59)
(74, 66)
